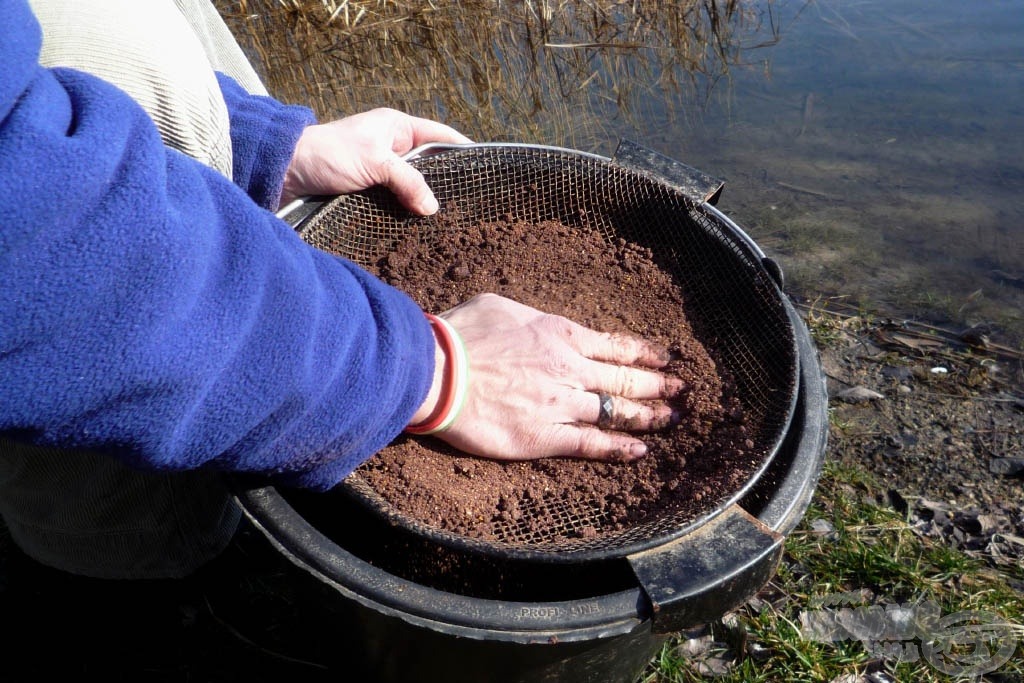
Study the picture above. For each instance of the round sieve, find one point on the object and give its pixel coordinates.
(732, 295)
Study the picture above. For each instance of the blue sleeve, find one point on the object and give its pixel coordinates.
(153, 311)
(263, 136)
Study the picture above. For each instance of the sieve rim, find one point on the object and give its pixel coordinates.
(566, 551)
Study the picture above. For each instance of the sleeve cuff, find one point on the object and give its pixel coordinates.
(264, 133)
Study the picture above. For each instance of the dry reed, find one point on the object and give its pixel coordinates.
(551, 71)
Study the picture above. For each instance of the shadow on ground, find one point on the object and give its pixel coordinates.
(239, 618)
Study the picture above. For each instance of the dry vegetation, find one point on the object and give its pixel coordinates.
(552, 72)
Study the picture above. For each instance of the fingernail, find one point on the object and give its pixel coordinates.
(664, 420)
(674, 386)
(637, 450)
(429, 206)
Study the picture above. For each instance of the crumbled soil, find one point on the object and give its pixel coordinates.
(613, 288)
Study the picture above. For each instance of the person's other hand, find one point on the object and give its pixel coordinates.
(363, 150)
(535, 380)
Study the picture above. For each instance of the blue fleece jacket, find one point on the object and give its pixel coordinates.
(157, 311)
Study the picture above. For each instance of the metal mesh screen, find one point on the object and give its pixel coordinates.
(733, 302)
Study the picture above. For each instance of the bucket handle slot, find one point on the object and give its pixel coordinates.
(699, 577)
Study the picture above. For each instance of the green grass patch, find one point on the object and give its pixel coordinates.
(851, 553)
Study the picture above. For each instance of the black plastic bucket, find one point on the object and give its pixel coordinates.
(537, 622)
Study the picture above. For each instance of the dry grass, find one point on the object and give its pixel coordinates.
(555, 72)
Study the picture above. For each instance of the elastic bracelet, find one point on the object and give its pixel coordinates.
(461, 359)
(455, 383)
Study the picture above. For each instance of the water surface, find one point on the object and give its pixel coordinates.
(878, 151)
(873, 147)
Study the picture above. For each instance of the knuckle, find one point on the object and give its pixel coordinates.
(564, 324)
(559, 366)
(586, 444)
(538, 443)
(625, 381)
(631, 412)
(558, 325)
(623, 347)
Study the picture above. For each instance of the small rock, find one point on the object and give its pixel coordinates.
(849, 678)
(716, 665)
(822, 527)
(899, 373)
(969, 521)
(857, 394)
(976, 543)
(758, 651)
(1006, 466)
(924, 527)
(458, 272)
(930, 509)
(692, 648)
(880, 677)
(976, 523)
(731, 622)
(756, 604)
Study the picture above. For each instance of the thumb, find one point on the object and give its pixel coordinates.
(408, 185)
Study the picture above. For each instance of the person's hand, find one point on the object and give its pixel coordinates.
(360, 151)
(535, 381)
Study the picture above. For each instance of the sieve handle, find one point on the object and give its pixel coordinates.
(692, 183)
(699, 577)
(431, 148)
(698, 187)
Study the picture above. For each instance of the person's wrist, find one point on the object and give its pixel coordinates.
(433, 394)
(290, 186)
(450, 385)
(293, 185)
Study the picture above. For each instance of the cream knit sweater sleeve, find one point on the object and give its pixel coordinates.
(152, 51)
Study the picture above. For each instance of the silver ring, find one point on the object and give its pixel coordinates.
(604, 413)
